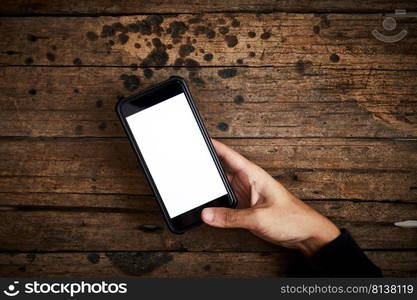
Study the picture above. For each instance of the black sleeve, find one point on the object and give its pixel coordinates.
(340, 258)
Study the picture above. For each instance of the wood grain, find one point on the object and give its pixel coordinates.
(311, 168)
(142, 228)
(178, 264)
(257, 102)
(313, 98)
(28, 7)
(279, 39)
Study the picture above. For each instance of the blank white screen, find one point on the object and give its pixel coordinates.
(176, 154)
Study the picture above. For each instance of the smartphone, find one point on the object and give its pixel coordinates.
(176, 153)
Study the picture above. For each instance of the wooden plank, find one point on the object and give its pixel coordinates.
(257, 102)
(177, 264)
(28, 7)
(278, 39)
(143, 229)
(311, 168)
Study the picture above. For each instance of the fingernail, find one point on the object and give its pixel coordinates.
(208, 215)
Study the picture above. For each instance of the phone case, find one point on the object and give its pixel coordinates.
(142, 161)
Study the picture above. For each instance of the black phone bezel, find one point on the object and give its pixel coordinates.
(158, 93)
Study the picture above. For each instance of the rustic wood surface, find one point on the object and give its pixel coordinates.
(301, 88)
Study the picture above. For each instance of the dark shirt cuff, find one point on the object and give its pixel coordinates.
(341, 258)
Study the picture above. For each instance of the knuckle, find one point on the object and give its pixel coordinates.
(230, 218)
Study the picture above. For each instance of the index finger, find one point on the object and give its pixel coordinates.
(230, 157)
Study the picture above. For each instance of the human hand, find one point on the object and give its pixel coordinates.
(267, 209)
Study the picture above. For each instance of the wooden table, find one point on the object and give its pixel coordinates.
(303, 89)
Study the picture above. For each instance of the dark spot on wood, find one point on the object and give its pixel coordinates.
(208, 57)
(91, 36)
(111, 43)
(75, 91)
(169, 46)
(185, 50)
(221, 21)
(157, 58)
(195, 20)
(53, 48)
(50, 56)
(137, 45)
(22, 269)
(335, 207)
(222, 126)
(207, 268)
(224, 30)
(148, 44)
(32, 92)
(155, 19)
(200, 30)
(194, 41)
(119, 27)
(196, 79)
(334, 57)
(30, 257)
(144, 27)
(251, 34)
(107, 31)
(147, 73)
(202, 50)
(31, 38)
(177, 40)
(239, 61)
(99, 103)
(11, 52)
(178, 63)
(191, 63)
(78, 129)
(239, 99)
(123, 38)
(316, 29)
(77, 62)
(149, 228)
(231, 40)
(102, 126)
(177, 29)
(324, 23)
(227, 73)
(133, 27)
(93, 258)
(302, 66)
(210, 34)
(133, 67)
(266, 35)
(138, 263)
(295, 177)
(157, 43)
(252, 54)
(235, 23)
(131, 82)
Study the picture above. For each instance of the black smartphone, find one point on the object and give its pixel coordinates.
(176, 153)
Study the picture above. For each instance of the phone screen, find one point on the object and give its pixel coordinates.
(176, 155)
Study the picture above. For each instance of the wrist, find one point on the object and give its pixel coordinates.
(318, 240)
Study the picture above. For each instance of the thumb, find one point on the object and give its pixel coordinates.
(228, 218)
